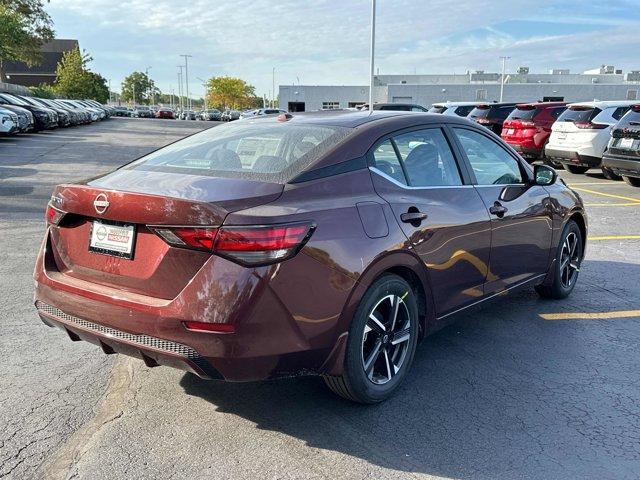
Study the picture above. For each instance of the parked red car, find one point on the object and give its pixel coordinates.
(323, 243)
(165, 113)
(528, 127)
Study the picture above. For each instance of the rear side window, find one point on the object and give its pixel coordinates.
(619, 112)
(556, 112)
(417, 108)
(632, 117)
(579, 114)
(263, 150)
(420, 158)
(491, 164)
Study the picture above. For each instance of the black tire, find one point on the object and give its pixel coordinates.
(633, 181)
(575, 169)
(365, 335)
(563, 284)
(609, 175)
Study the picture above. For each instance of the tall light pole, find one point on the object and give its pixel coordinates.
(146, 73)
(504, 64)
(204, 84)
(373, 49)
(180, 92)
(186, 78)
(273, 85)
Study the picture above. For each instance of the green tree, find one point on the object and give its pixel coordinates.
(75, 80)
(138, 84)
(43, 91)
(24, 27)
(229, 92)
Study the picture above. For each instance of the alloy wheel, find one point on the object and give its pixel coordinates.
(385, 340)
(569, 260)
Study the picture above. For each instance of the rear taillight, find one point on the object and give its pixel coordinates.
(247, 245)
(590, 126)
(53, 216)
(196, 238)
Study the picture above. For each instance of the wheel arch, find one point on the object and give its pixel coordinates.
(578, 217)
(406, 265)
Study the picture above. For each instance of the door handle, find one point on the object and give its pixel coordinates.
(413, 217)
(498, 209)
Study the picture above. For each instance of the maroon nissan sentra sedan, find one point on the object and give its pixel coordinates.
(325, 243)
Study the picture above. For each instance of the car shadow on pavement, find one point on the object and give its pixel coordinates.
(501, 393)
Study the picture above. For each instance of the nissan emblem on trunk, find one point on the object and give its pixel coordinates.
(101, 203)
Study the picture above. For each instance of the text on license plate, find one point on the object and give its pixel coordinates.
(626, 143)
(112, 239)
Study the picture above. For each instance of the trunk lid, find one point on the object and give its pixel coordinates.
(143, 198)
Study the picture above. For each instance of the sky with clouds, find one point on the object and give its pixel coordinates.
(327, 41)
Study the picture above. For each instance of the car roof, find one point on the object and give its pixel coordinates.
(542, 104)
(453, 104)
(352, 118)
(604, 104)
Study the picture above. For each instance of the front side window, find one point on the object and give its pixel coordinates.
(421, 158)
(491, 163)
(427, 158)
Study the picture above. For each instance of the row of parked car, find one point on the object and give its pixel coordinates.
(576, 136)
(20, 114)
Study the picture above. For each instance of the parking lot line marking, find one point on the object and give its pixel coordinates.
(615, 237)
(586, 190)
(590, 315)
(633, 204)
(608, 184)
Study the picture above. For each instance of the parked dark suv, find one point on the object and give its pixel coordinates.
(325, 243)
(491, 115)
(622, 155)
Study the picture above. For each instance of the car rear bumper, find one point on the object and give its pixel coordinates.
(273, 336)
(572, 157)
(152, 350)
(622, 166)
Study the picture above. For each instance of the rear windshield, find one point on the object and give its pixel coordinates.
(632, 117)
(523, 114)
(480, 112)
(464, 110)
(579, 114)
(438, 109)
(267, 151)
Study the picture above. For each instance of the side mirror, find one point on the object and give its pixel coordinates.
(544, 175)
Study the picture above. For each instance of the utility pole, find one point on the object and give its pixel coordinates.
(109, 90)
(504, 63)
(373, 44)
(186, 78)
(134, 93)
(273, 85)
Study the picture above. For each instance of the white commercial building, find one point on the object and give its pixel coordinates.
(605, 83)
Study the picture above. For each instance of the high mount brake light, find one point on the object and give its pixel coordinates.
(53, 215)
(247, 245)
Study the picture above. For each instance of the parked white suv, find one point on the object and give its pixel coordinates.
(8, 122)
(461, 109)
(581, 133)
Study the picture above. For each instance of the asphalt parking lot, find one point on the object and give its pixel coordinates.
(524, 388)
